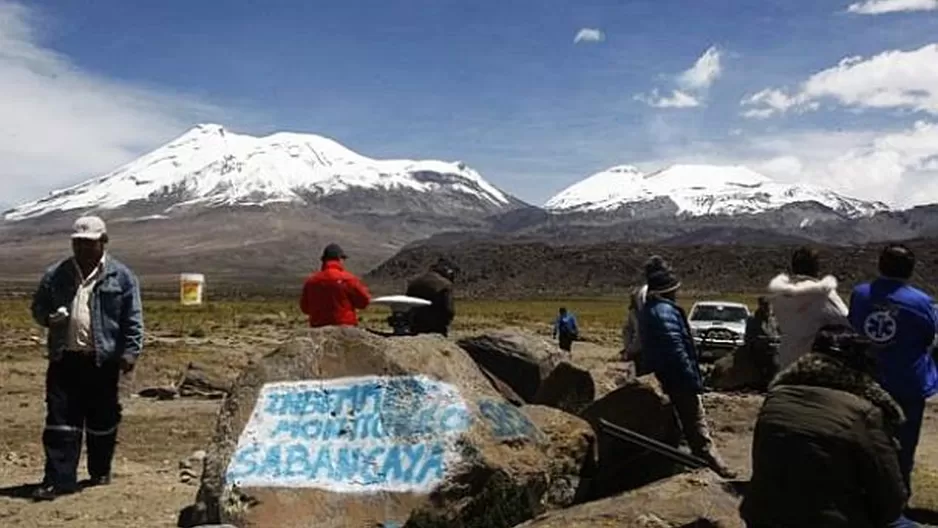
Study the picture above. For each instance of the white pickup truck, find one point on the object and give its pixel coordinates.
(718, 324)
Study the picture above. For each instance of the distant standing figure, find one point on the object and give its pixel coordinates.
(762, 339)
(91, 305)
(899, 320)
(631, 338)
(332, 295)
(565, 329)
(436, 286)
(823, 453)
(668, 351)
(803, 303)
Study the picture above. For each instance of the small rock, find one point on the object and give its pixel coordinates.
(160, 393)
(568, 388)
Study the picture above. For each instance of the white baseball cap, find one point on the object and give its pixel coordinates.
(89, 228)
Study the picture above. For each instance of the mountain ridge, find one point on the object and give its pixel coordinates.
(266, 206)
(209, 166)
(697, 190)
(242, 208)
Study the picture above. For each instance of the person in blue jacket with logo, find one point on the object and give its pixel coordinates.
(900, 320)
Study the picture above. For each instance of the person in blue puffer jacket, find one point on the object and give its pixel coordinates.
(901, 322)
(668, 351)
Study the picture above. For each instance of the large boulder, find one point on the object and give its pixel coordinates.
(520, 359)
(567, 387)
(695, 499)
(339, 427)
(572, 453)
(736, 371)
(641, 406)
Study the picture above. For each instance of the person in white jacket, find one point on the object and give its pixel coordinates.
(631, 342)
(803, 304)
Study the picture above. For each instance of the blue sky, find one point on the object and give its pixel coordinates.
(501, 85)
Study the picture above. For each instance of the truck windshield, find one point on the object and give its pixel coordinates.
(726, 314)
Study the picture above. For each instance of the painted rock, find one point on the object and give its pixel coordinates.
(342, 428)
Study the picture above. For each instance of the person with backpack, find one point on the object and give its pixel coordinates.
(669, 352)
(565, 329)
(900, 320)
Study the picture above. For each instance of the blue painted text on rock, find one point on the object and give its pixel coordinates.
(507, 421)
(397, 464)
(350, 434)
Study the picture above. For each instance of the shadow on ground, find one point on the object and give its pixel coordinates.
(21, 491)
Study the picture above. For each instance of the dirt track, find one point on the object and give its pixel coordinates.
(156, 435)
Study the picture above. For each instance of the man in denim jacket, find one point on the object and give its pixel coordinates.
(91, 305)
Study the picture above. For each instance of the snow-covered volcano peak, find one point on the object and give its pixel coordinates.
(211, 166)
(699, 190)
(706, 176)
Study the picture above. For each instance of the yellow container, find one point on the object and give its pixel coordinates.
(190, 288)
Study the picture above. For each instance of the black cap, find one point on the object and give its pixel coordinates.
(333, 252)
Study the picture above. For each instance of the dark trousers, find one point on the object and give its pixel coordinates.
(566, 341)
(766, 360)
(908, 433)
(80, 397)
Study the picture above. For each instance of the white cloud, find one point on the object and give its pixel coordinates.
(60, 124)
(693, 83)
(893, 79)
(879, 7)
(677, 99)
(897, 167)
(702, 74)
(589, 35)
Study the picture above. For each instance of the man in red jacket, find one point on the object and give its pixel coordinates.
(332, 294)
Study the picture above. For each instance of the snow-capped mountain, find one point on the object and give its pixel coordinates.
(698, 190)
(209, 166)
